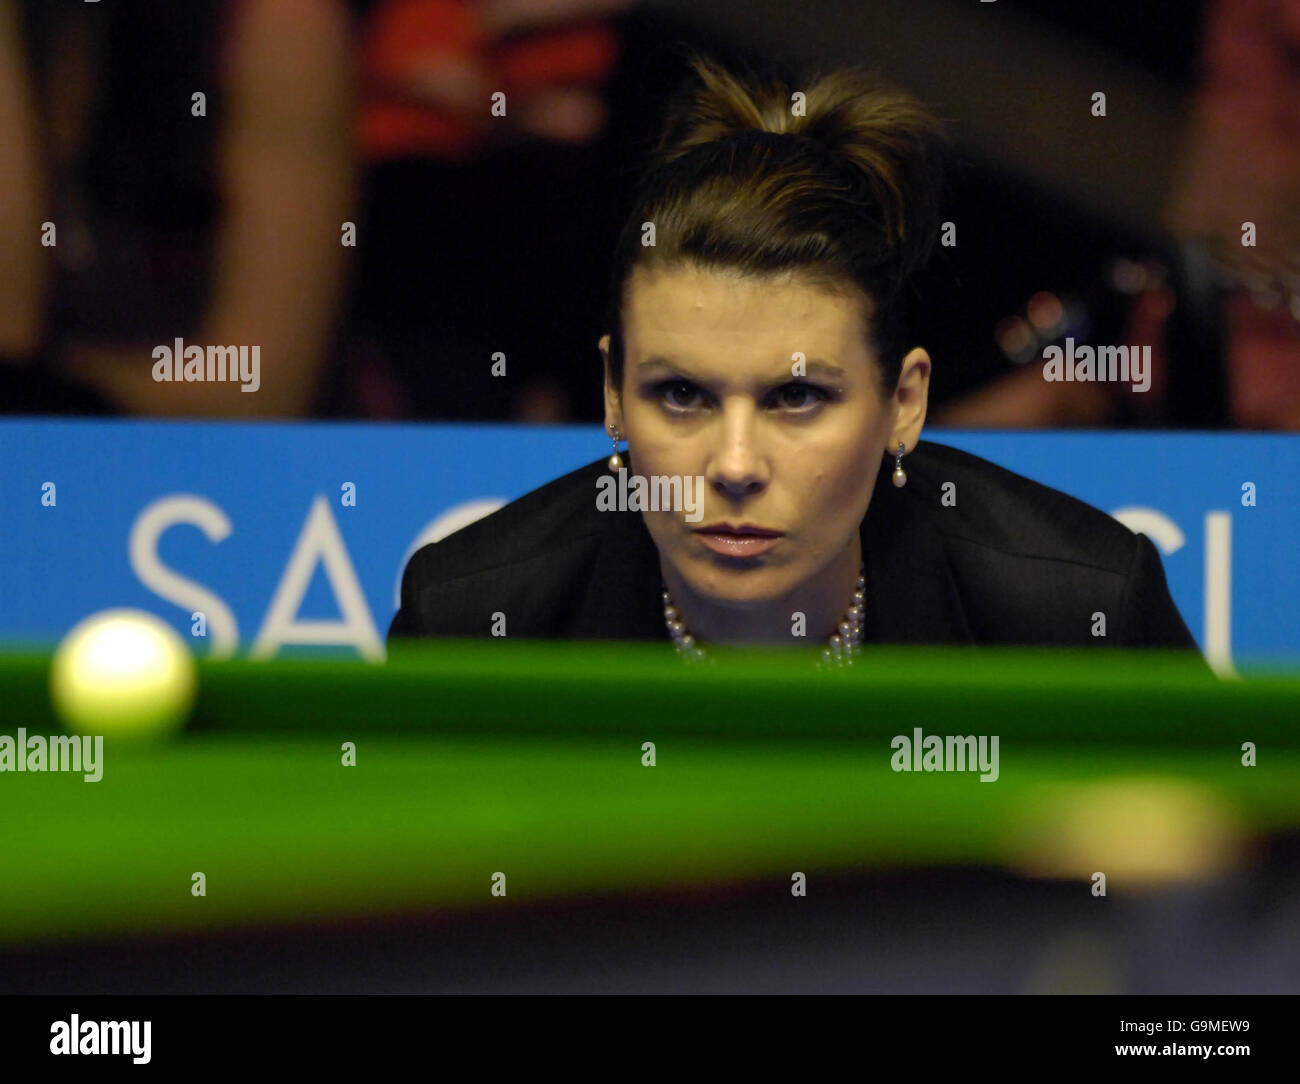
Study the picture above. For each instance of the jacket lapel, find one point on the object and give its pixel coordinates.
(622, 600)
(911, 595)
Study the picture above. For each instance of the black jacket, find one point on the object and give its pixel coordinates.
(1014, 562)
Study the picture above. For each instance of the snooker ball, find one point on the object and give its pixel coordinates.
(123, 673)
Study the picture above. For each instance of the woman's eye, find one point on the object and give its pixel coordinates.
(799, 396)
(679, 394)
(796, 397)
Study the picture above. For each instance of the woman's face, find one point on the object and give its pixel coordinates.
(713, 388)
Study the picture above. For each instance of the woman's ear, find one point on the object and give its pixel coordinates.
(613, 395)
(911, 399)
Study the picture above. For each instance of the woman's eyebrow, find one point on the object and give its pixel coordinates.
(823, 368)
(658, 361)
(810, 366)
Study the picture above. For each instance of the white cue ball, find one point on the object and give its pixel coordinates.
(123, 673)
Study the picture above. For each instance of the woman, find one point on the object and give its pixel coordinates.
(756, 345)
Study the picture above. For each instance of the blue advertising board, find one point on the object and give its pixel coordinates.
(292, 537)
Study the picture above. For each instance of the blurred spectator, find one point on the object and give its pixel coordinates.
(219, 224)
(431, 67)
(1243, 165)
(429, 71)
(489, 235)
(1222, 319)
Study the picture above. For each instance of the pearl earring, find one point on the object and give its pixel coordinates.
(900, 476)
(615, 460)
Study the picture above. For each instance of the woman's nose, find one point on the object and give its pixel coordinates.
(736, 465)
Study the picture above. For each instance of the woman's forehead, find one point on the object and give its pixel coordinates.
(729, 282)
(688, 310)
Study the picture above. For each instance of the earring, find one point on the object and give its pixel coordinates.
(615, 460)
(900, 476)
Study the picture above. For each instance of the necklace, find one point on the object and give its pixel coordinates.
(840, 649)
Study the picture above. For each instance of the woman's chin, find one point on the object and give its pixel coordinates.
(739, 588)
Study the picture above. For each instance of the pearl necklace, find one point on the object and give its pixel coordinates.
(842, 646)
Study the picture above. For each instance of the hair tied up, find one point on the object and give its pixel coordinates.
(758, 136)
(846, 194)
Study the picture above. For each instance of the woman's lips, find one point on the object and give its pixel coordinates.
(739, 543)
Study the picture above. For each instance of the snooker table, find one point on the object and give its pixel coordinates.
(501, 829)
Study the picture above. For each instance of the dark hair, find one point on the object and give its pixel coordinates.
(845, 195)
